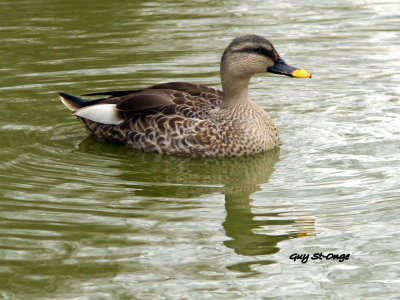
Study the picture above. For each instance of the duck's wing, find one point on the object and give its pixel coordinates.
(189, 88)
(184, 99)
(115, 110)
(185, 87)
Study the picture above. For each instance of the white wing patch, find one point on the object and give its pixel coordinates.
(101, 113)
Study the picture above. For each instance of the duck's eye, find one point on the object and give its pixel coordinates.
(258, 50)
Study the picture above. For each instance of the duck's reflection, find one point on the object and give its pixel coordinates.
(236, 178)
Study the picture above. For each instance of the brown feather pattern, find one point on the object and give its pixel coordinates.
(186, 120)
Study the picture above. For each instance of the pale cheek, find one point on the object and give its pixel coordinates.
(260, 67)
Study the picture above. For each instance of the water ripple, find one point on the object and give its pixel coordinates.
(82, 217)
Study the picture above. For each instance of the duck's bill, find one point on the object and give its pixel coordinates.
(284, 69)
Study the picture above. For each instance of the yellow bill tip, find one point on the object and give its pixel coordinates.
(301, 74)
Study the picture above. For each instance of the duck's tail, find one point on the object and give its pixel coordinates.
(72, 102)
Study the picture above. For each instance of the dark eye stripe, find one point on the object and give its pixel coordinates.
(258, 50)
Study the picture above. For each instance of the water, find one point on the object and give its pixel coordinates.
(82, 219)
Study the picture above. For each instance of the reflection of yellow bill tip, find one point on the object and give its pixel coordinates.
(301, 74)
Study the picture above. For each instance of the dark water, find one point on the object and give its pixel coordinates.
(81, 219)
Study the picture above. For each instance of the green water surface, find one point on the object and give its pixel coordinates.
(82, 219)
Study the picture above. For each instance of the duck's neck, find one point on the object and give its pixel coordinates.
(235, 89)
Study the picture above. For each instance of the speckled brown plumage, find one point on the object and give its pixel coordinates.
(190, 119)
(193, 125)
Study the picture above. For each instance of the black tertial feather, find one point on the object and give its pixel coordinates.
(112, 93)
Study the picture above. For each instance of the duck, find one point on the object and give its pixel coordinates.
(188, 119)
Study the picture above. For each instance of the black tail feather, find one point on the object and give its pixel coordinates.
(74, 103)
(77, 100)
(112, 93)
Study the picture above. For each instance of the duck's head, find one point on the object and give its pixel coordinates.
(251, 54)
